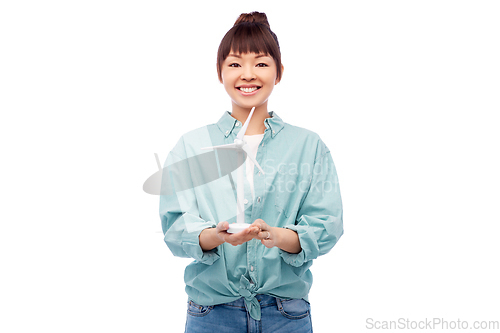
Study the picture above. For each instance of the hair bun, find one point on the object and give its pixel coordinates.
(253, 17)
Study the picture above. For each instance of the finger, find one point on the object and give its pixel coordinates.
(242, 236)
(263, 235)
(254, 225)
(257, 222)
(263, 225)
(239, 235)
(255, 229)
(267, 243)
(251, 230)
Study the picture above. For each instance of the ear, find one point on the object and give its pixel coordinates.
(282, 70)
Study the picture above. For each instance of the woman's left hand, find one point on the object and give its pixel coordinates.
(268, 235)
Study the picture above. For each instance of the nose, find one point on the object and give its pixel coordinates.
(248, 73)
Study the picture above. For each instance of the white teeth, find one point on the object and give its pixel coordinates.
(247, 90)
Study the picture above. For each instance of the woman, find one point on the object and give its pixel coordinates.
(256, 280)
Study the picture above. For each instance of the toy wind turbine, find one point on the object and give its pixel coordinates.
(242, 147)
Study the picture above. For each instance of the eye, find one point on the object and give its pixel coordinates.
(234, 65)
(262, 65)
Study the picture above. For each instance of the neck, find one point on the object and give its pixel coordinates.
(256, 125)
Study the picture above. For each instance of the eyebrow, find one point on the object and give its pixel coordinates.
(238, 56)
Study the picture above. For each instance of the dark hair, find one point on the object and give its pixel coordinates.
(250, 33)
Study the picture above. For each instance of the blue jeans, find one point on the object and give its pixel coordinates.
(277, 316)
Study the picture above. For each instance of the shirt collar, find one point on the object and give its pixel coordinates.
(227, 123)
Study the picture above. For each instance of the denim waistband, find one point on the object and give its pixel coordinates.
(264, 300)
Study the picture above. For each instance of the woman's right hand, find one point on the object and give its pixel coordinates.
(237, 238)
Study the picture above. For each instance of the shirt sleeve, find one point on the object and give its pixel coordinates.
(180, 219)
(319, 219)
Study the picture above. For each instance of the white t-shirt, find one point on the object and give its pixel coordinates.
(253, 142)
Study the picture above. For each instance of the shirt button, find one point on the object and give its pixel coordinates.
(274, 132)
(227, 132)
(245, 201)
(259, 173)
(258, 199)
(251, 268)
(237, 123)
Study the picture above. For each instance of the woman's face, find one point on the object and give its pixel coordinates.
(249, 79)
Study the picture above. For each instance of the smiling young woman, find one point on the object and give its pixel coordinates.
(258, 279)
(249, 66)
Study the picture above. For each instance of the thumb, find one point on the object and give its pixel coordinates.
(223, 225)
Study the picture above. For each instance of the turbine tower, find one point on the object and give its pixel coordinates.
(242, 147)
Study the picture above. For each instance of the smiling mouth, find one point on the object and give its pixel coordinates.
(248, 90)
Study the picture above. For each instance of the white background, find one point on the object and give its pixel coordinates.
(404, 93)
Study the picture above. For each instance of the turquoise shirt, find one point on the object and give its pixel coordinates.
(298, 191)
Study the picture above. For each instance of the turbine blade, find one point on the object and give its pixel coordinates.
(240, 190)
(228, 146)
(158, 161)
(247, 150)
(241, 133)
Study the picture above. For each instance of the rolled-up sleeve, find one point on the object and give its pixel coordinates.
(319, 222)
(180, 219)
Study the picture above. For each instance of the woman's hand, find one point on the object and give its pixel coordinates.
(268, 235)
(238, 238)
